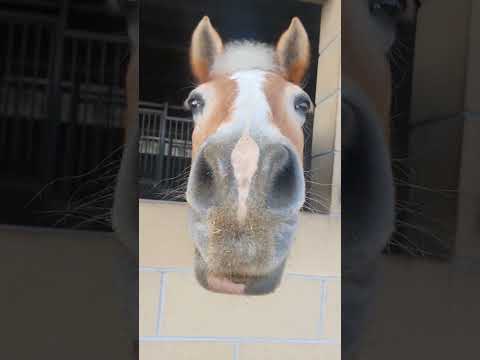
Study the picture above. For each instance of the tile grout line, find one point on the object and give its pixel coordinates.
(189, 270)
(328, 44)
(323, 99)
(236, 351)
(238, 340)
(323, 302)
(161, 303)
(165, 269)
(313, 277)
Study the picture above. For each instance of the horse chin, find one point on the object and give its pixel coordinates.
(247, 258)
(237, 283)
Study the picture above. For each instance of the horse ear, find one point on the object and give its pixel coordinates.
(293, 51)
(205, 47)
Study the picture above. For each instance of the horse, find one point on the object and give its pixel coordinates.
(368, 199)
(246, 184)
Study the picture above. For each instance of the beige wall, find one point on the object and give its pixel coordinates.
(326, 170)
(181, 320)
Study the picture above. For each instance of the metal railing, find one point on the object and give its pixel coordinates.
(90, 92)
(165, 150)
(61, 103)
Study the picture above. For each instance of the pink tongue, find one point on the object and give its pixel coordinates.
(224, 285)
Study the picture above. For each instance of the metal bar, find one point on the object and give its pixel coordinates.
(75, 81)
(23, 17)
(176, 118)
(66, 84)
(175, 160)
(150, 157)
(49, 70)
(144, 144)
(157, 119)
(154, 143)
(109, 102)
(99, 132)
(8, 71)
(36, 66)
(185, 136)
(154, 105)
(161, 148)
(88, 63)
(146, 123)
(71, 125)
(54, 93)
(169, 158)
(84, 125)
(103, 62)
(19, 97)
(41, 3)
(140, 144)
(116, 65)
(86, 35)
(8, 64)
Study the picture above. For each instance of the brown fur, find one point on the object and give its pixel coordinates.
(274, 91)
(225, 93)
(226, 232)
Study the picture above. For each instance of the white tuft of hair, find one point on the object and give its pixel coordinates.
(245, 55)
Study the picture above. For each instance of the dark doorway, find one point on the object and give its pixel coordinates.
(61, 102)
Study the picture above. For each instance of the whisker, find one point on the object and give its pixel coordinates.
(72, 177)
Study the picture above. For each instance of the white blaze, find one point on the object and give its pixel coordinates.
(250, 114)
(244, 159)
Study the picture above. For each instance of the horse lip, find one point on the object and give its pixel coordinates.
(225, 285)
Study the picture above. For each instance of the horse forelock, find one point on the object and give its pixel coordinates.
(246, 55)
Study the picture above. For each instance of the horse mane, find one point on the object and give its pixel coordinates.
(246, 55)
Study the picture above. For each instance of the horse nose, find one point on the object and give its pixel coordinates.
(202, 182)
(222, 173)
(244, 174)
(284, 182)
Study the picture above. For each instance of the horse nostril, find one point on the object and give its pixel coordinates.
(285, 179)
(202, 183)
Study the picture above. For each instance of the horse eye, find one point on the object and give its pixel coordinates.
(195, 103)
(390, 8)
(303, 105)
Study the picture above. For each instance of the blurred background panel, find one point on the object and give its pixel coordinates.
(61, 102)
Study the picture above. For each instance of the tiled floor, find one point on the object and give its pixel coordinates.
(181, 320)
